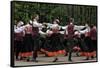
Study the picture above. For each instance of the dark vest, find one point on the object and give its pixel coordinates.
(70, 30)
(93, 34)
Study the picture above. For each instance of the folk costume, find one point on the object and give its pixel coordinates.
(54, 45)
(28, 46)
(18, 39)
(36, 38)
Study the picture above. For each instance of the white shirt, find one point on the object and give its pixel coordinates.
(36, 24)
(19, 29)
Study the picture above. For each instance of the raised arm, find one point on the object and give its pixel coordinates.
(78, 27)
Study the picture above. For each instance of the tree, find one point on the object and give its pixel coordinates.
(81, 14)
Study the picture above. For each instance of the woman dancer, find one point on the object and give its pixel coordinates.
(53, 44)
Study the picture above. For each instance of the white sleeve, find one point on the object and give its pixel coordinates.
(78, 27)
(64, 27)
(36, 24)
(18, 30)
(47, 31)
(31, 21)
(62, 32)
(49, 25)
(41, 32)
(84, 31)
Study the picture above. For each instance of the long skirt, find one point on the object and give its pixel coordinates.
(28, 46)
(88, 43)
(18, 47)
(94, 44)
(54, 44)
(83, 46)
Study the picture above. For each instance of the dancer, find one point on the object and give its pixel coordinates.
(36, 36)
(28, 46)
(93, 36)
(54, 44)
(70, 40)
(18, 35)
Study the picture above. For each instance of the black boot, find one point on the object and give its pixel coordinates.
(87, 58)
(27, 59)
(34, 56)
(55, 59)
(17, 55)
(77, 54)
(69, 57)
(92, 57)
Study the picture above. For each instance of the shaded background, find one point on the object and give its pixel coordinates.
(48, 12)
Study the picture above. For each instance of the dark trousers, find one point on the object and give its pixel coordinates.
(35, 54)
(70, 55)
(36, 46)
(69, 47)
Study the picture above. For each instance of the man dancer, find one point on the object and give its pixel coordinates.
(36, 36)
(70, 40)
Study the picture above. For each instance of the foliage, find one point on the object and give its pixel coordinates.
(82, 14)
